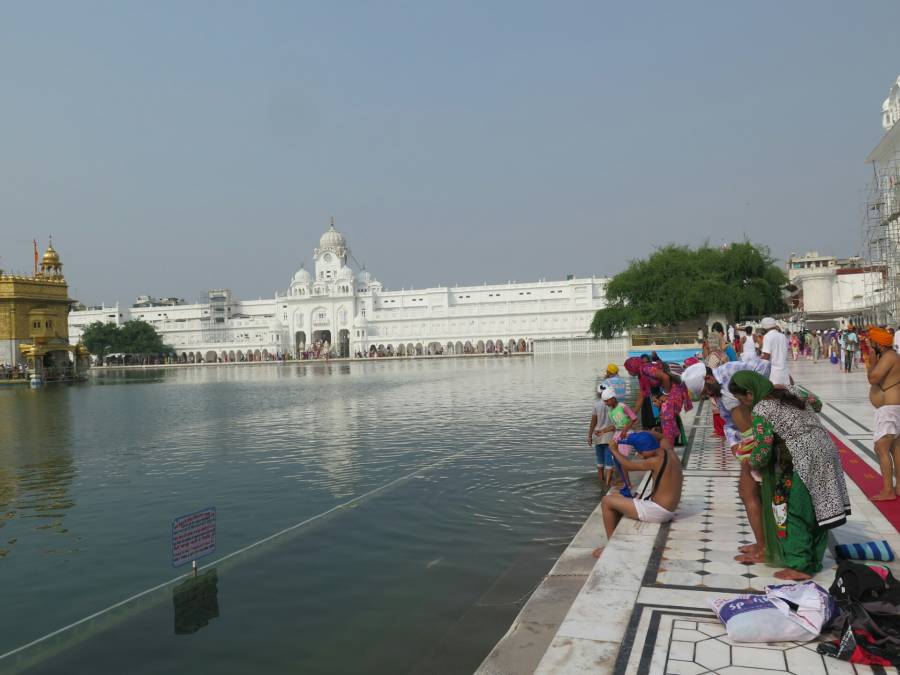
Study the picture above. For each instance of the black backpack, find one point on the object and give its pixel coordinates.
(869, 620)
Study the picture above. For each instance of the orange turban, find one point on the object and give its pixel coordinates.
(880, 336)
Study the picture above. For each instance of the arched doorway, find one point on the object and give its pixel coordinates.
(511, 345)
(210, 357)
(434, 348)
(523, 346)
(458, 348)
(343, 343)
(479, 348)
(468, 348)
(410, 349)
(240, 355)
(322, 336)
(401, 350)
(231, 356)
(449, 348)
(257, 356)
(299, 342)
(419, 349)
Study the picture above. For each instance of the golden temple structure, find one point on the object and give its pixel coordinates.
(34, 330)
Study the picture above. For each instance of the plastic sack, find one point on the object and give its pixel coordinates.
(786, 613)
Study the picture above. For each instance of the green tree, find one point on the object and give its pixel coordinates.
(101, 338)
(678, 283)
(139, 337)
(134, 337)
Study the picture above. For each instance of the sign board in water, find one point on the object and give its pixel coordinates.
(193, 536)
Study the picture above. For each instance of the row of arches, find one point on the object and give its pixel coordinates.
(231, 356)
(450, 348)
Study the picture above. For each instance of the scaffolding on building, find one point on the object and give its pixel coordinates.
(881, 235)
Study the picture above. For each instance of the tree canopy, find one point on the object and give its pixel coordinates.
(133, 337)
(679, 283)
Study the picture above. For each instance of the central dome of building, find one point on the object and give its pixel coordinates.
(332, 238)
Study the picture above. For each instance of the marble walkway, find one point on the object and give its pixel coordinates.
(642, 608)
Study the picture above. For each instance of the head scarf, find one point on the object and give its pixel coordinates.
(880, 336)
(612, 368)
(608, 394)
(633, 365)
(694, 377)
(753, 382)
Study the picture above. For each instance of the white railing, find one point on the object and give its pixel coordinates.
(581, 345)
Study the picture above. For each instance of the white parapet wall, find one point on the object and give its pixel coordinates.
(581, 345)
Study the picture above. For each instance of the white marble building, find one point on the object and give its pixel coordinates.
(353, 313)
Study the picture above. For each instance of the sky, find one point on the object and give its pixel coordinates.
(173, 147)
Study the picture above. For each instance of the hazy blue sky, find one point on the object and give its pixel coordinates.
(171, 147)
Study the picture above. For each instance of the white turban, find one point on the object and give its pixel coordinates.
(608, 394)
(768, 323)
(694, 377)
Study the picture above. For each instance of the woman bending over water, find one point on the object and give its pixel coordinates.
(801, 474)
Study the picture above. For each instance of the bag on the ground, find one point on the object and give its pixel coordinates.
(869, 620)
(786, 613)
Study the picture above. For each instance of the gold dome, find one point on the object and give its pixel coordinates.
(51, 257)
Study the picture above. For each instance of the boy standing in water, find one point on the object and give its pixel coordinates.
(600, 439)
(621, 417)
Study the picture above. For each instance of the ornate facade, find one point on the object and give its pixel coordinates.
(348, 312)
(34, 320)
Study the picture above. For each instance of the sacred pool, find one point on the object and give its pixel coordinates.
(417, 503)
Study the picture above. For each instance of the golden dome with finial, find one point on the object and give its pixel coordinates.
(51, 257)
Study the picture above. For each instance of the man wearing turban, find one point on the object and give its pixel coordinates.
(883, 371)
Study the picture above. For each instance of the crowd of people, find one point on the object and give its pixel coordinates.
(791, 479)
(9, 371)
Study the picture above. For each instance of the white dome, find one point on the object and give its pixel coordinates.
(302, 276)
(332, 239)
(345, 273)
(275, 325)
(360, 321)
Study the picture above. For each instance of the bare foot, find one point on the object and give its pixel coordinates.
(791, 575)
(750, 558)
(883, 496)
(597, 552)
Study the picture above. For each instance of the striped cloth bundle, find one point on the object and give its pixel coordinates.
(870, 550)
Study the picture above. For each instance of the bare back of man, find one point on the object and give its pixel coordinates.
(668, 478)
(884, 395)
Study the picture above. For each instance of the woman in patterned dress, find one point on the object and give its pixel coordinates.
(672, 399)
(801, 473)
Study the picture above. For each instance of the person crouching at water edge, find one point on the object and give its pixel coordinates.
(658, 457)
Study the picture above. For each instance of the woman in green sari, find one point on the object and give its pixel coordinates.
(801, 473)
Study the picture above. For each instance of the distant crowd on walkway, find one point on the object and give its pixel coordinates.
(791, 480)
(9, 371)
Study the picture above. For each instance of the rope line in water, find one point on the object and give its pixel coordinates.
(264, 540)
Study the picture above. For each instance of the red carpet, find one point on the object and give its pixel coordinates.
(868, 480)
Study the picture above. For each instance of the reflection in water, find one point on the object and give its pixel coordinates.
(196, 602)
(36, 468)
(497, 474)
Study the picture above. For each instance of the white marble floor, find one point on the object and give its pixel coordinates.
(655, 619)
